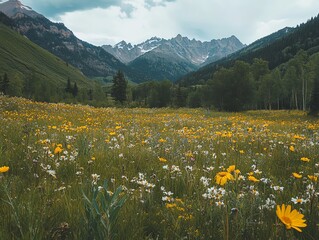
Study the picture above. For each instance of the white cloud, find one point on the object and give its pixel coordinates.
(136, 20)
(113, 25)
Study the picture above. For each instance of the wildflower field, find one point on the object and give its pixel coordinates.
(78, 172)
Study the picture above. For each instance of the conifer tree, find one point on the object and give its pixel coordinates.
(68, 88)
(119, 87)
(4, 84)
(75, 90)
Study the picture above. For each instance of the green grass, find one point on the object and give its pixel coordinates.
(20, 57)
(165, 161)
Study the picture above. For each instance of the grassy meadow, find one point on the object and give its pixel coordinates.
(19, 57)
(78, 172)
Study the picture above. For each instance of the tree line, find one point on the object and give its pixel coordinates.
(243, 86)
(32, 87)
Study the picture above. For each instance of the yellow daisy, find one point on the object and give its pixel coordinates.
(4, 169)
(291, 219)
(297, 175)
(305, 159)
(253, 179)
(222, 178)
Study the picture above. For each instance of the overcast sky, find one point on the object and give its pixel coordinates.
(110, 21)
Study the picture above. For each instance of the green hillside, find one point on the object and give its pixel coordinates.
(21, 58)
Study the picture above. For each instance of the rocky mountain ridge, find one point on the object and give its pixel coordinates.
(193, 51)
(14, 8)
(93, 61)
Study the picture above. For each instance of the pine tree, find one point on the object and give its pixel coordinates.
(119, 87)
(314, 101)
(75, 90)
(4, 84)
(68, 88)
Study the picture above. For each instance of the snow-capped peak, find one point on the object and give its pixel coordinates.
(150, 44)
(121, 45)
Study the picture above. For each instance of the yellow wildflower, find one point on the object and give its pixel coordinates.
(231, 168)
(253, 179)
(170, 205)
(297, 175)
(4, 169)
(58, 150)
(299, 137)
(162, 159)
(313, 178)
(292, 148)
(291, 219)
(305, 159)
(222, 178)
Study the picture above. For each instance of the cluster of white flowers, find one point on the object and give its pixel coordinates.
(277, 188)
(214, 193)
(189, 168)
(265, 180)
(205, 181)
(48, 169)
(95, 178)
(270, 203)
(311, 191)
(143, 183)
(167, 196)
(175, 170)
(253, 190)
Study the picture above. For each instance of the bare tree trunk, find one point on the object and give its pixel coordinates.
(303, 94)
(269, 100)
(306, 93)
(296, 100)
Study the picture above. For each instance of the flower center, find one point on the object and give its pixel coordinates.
(223, 174)
(287, 221)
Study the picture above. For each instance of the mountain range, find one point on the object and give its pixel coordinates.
(193, 51)
(179, 58)
(155, 59)
(173, 58)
